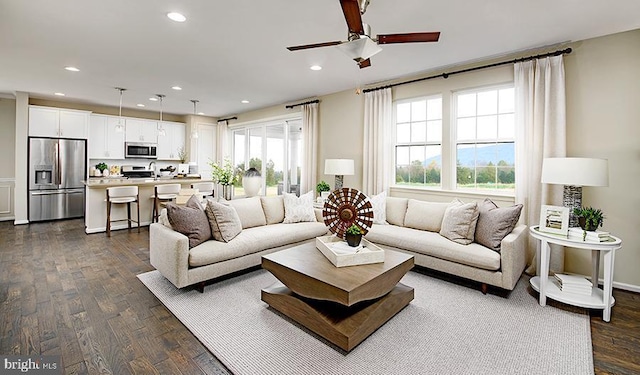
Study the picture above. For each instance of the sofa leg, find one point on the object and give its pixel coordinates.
(200, 287)
(484, 288)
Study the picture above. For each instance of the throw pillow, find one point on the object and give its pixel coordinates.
(425, 215)
(379, 205)
(396, 209)
(298, 209)
(273, 208)
(250, 212)
(494, 223)
(459, 222)
(224, 220)
(190, 220)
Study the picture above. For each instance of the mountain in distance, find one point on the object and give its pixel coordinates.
(485, 154)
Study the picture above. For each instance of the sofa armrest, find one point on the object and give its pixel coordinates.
(513, 256)
(318, 212)
(169, 253)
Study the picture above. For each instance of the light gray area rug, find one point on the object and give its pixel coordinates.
(447, 329)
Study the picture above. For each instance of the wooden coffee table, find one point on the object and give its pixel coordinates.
(344, 305)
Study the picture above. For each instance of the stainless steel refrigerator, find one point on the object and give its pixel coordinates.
(56, 170)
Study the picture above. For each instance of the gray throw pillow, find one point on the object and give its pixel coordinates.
(190, 220)
(459, 222)
(224, 220)
(495, 223)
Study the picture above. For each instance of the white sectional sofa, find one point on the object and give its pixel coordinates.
(263, 232)
(413, 227)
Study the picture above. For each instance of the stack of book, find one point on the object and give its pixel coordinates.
(574, 284)
(578, 233)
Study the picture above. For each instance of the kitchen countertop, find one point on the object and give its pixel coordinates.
(115, 181)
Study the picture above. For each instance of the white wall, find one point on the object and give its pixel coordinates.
(7, 157)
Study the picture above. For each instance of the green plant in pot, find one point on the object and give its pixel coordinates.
(353, 235)
(589, 218)
(321, 187)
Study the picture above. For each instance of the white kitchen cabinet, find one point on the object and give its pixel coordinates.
(141, 131)
(58, 123)
(104, 141)
(170, 144)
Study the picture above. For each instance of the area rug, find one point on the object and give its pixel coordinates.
(447, 329)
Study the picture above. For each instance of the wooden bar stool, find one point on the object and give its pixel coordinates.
(205, 189)
(163, 194)
(122, 195)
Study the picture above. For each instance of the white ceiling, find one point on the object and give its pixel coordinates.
(228, 51)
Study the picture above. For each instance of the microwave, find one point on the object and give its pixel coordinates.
(140, 150)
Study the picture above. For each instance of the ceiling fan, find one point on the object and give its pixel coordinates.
(360, 46)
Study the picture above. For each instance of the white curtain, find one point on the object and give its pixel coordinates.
(310, 147)
(376, 159)
(540, 133)
(222, 147)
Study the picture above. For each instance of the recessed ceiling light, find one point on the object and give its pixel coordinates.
(244, 102)
(58, 94)
(72, 68)
(201, 113)
(153, 99)
(140, 105)
(177, 88)
(315, 67)
(174, 16)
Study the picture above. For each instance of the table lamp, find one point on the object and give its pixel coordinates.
(339, 168)
(574, 173)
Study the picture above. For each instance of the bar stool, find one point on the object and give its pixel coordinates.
(204, 188)
(122, 195)
(162, 194)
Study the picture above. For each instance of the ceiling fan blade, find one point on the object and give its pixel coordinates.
(364, 63)
(317, 45)
(408, 38)
(351, 10)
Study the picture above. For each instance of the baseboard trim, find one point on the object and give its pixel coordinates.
(20, 222)
(624, 286)
(115, 227)
(7, 218)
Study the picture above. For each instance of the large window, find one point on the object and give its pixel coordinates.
(485, 138)
(274, 149)
(418, 152)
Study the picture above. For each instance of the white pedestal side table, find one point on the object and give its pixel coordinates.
(547, 286)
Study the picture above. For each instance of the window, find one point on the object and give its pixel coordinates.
(485, 138)
(418, 150)
(274, 149)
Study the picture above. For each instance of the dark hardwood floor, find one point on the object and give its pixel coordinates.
(66, 293)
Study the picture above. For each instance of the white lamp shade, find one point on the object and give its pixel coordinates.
(575, 171)
(339, 167)
(360, 49)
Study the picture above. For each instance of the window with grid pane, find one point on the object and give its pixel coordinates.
(418, 146)
(485, 138)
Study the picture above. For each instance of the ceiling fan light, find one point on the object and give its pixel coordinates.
(360, 49)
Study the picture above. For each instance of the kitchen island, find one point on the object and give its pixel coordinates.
(95, 214)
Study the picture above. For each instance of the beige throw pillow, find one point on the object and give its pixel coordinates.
(273, 208)
(495, 223)
(300, 209)
(224, 221)
(396, 210)
(190, 220)
(459, 222)
(250, 211)
(425, 215)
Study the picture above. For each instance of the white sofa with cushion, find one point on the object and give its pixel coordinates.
(263, 231)
(418, 228)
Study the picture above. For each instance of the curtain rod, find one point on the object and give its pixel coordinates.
(446, 75)
(299, 104)
(228, 118)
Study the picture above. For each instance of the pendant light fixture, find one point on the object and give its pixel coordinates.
(194, 130)
(161, 131)
(120, 124)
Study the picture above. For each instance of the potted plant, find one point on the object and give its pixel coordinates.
(323, 187)
(182, 155)
(224, 175)
(102, 167)
(589, 218)
(353, 235)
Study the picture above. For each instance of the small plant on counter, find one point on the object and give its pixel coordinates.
(322, 186)
(182, 155)
(101, 166)
(589, 218)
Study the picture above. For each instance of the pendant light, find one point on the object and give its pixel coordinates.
(194, 130)
(161, 131)
(120, 124)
